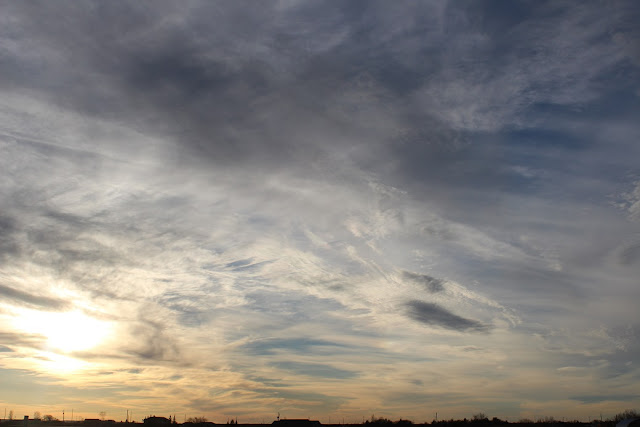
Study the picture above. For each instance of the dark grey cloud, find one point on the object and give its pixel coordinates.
(257, 84)
(194, 82)
(431, 284)
(5, 349)
(434, 315)
(26, 298)
(197, 83)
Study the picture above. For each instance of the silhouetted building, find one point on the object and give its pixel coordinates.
(629, 422)
(199, 424)
(296, 423)
(157, 421)
(96, 422)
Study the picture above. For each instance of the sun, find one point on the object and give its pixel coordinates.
(65, 332)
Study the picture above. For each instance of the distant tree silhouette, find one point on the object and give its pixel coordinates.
(385, 421)
(49, 417)
(629, 413)
(480, 417)
(36, 415)
(197, 420)
(379, 421)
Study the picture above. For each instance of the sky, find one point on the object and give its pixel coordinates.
(322, 209)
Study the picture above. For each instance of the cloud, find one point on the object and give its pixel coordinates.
(633, 203)
(315, 370)
(32, 341)
(8, 230)
(604, 398)
(302, 345)
(630, 254)
(432, 284)
(434, 315)
(152, 344)
(40, 301)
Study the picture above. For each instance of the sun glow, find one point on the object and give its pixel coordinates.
(65, 332)
(52, 362)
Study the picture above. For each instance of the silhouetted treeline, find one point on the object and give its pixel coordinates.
(522, 423)
(378, 422)
(477, 420)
